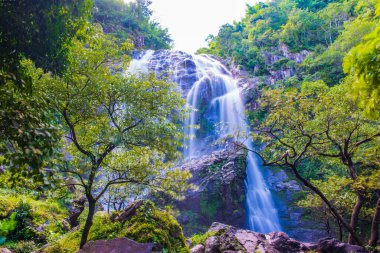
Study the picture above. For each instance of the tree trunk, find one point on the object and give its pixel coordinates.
(375, 225)
(355, 216)
(340, 231)
(90, 217)
(329, 205)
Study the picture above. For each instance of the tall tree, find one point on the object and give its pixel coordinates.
(120, 129)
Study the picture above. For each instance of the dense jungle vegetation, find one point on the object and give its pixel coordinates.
(67, 142)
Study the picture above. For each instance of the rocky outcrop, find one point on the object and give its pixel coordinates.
(4, 250)
(120, 245)
(228, 239)
(75, 210)
(219, 194)
(177, 65)
(129, 211)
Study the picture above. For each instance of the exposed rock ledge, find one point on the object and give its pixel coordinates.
(120, 245)
(219, 178)
(228, 239)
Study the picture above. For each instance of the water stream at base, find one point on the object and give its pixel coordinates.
(213, 94)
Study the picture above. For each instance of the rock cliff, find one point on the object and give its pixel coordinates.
(219, 194)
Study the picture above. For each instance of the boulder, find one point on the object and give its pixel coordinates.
(212, 245)
(5, 250)
(120, 245)
(198, 249)
(332, 245)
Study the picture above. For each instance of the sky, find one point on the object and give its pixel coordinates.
(191, 21)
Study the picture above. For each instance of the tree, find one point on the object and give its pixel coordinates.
(131, 21)
(120, 129)
(319, 122)
(363, 62)
(38, 30)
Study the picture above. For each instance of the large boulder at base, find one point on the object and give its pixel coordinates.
(332, 245)
(4, 250)
(120, 245)
(229, 239)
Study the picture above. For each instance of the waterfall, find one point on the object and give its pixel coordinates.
(218, 110)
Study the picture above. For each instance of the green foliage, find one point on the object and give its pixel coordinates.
(363, 62)
(302, 30)
(8, 225)
(39, 30)
(91, 95)
(335, 188)
(201, 238)
(23, 213)
(131, 21)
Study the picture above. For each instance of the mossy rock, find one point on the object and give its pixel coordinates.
(153, 225)
(149, 224)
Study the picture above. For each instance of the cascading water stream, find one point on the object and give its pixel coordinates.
(214, 96)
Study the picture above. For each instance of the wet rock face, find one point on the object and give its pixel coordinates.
(121, 245)
(178, 66)
(284, 191)
(220, 194)
(233, 240)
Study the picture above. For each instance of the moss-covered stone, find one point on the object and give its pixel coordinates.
(149, 224)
